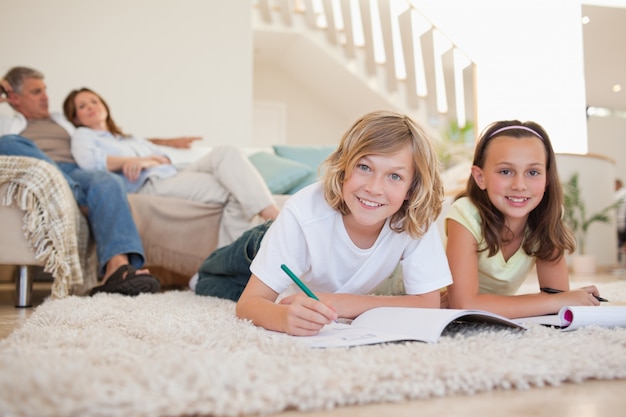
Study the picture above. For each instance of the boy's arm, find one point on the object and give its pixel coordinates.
(297, 315)
(350, 306)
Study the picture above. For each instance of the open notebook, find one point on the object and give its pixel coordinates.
(396, 324)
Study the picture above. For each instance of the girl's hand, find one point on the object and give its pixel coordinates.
(591, 289)
(306, 316)
(580, 297)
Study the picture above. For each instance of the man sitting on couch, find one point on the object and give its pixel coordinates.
(34, 132)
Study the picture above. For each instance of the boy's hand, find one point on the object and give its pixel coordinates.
(306, 316)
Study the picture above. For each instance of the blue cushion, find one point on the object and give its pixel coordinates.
(280, 174)
(312, 156)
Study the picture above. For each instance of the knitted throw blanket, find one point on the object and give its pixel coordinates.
(52, 223)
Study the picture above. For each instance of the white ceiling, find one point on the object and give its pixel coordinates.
(604, 47)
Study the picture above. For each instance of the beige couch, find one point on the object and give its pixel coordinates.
(177, 234)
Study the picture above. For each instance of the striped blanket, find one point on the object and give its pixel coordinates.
(52, 223)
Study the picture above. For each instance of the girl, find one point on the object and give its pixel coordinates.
(224, 176)
(373, 209)
(509, 219)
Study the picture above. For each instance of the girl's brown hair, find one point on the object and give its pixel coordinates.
(69, 108)
(547, 236)
(380, 133)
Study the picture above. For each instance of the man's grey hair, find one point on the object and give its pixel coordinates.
(16, 76)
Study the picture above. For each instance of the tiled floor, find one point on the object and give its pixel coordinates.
(588, 399)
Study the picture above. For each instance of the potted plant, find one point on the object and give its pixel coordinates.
(576, 217)
(456, 144)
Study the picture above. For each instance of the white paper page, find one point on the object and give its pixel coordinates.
(424, 324)
(345, 335)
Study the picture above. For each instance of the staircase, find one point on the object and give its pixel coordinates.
(387, 45)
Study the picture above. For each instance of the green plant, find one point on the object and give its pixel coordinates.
(456, 144)
(575, 212)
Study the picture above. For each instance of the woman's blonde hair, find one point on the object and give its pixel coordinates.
(380, 133)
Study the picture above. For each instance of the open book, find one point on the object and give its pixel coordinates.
(571, 318)
(396, 324)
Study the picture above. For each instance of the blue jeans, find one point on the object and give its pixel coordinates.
(103, 194)
(226, 271)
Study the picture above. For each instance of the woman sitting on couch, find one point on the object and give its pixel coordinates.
(223, 176)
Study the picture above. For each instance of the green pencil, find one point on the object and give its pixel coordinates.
(299, 283)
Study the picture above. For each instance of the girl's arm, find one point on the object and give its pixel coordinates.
(555, 275)
(461, 250)
(297, 315)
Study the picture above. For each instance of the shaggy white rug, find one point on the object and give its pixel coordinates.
(177, 354)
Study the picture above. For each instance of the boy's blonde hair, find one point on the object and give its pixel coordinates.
(380, 133)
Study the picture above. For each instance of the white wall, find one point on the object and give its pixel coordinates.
(304, 109)
(607, 136)
(596, 175)
(166, 68)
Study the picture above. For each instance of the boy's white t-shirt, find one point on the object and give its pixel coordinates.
(310, 238)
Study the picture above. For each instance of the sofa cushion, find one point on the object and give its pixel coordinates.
(280, 174)
(311, 156)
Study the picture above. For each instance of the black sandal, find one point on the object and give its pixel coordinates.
(126, 281)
